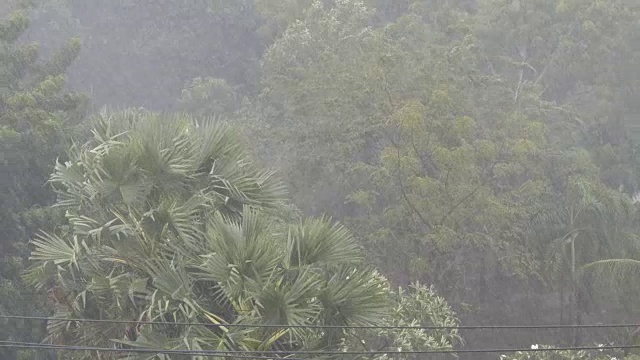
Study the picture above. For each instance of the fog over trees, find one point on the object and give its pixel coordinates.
(319, 178)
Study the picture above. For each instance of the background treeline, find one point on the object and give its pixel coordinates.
(487, 147)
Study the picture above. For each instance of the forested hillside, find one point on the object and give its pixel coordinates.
(430, 163)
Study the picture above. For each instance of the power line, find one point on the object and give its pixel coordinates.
(269, 354)
(377, 327)
(218, 353)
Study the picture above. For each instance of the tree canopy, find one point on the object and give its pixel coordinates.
(477, 153)
(168, 220)
(36, 112)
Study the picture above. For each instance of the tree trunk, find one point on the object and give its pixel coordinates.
(574, 299)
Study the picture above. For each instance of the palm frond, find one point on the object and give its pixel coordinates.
(215, 140)
(282, 302)
(151, 338)
(237, 186)
(611, 270)
(354, 297)
(177, 220)
(557, 255)
(169, 278)
(53, 248)
(609, 278)
(69, 184)
(118, 178)
(40, 274)
(83, 225)
(230, 172)
(319, 241)
(117, 289)
(239, 254)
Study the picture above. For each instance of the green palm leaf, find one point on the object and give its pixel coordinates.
(354, 297)
(622, 270)
(318, 241)
(282, 302)
(56, 249)
(240, 255)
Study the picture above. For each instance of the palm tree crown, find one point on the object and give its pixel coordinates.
(168, 220)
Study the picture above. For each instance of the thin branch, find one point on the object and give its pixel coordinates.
(429, 169)
(471, 194)
(517, 92)
(552, 56)
(405, 196)
(402, 189)
(453, 208)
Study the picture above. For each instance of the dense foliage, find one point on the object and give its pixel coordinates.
(486, 158)
(486, 147)
(168, 220)
(35, 111)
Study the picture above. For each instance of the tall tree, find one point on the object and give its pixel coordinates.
(35, 114)
(451, 129)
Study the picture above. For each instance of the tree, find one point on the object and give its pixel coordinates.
(169, 220)
(476, 145)
(277, 15)
(207, 96)
(380, 121)
(35, 114)
(570, 355)
(577, 55)
(452, 130)
(581, 66)
(593, 223)
(319, 106)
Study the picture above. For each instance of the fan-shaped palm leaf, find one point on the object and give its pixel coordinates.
(239, 255)
(56, 249)
(282, 302)
(354, 297)
(179, 220)
(149, 338)
(317, 241)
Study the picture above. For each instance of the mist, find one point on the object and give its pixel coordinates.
(304, 178)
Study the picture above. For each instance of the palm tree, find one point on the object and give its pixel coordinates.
(168, 220)
(592, 224)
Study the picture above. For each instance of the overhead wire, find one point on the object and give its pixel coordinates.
(315, 326)
(261, 354)
(216, 353)
(288, 353)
